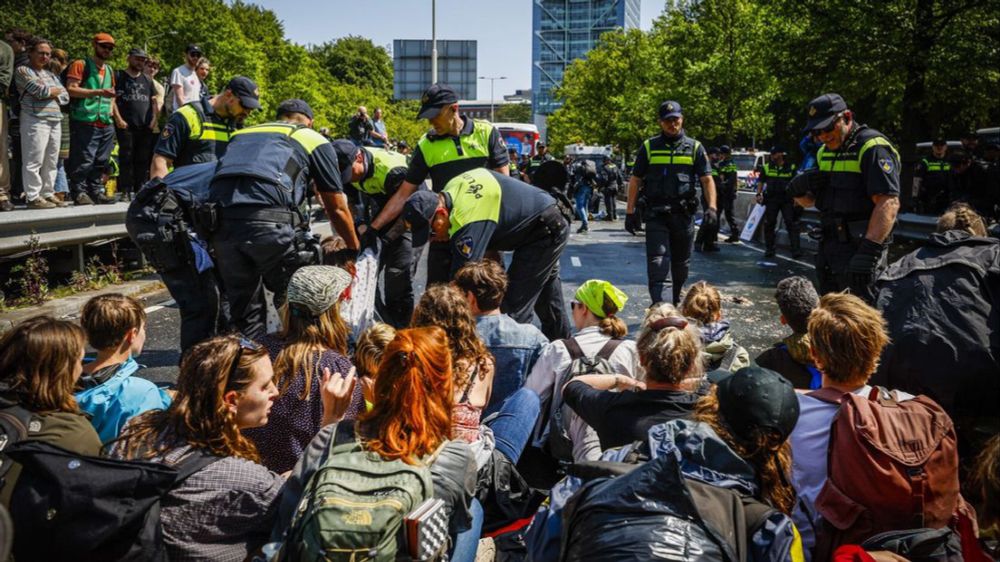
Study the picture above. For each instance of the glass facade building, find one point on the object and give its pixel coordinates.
(564, 30)
(411, 64)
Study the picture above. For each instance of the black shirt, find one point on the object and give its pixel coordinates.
(175, 142)
(443, 173)
(134, 98)
(359, 129)
(621, 418)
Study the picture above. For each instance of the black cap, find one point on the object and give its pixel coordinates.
(823, 110)
(777, 148)
(402, 144)
(712, 150)
(756, 398)
(418, 212)
(347, 153)
(939, 142)
(295, 106)
(539, 145)
(670, 109)
(434, 98)
(724, 149)
(245, 89)
(137, 52)
(192, 48)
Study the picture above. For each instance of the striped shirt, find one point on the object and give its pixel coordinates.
(34, 89)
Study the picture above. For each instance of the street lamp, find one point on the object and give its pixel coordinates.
(145, 44)
(434, 43)
(492, 79)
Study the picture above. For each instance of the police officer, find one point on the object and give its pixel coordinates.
(513, 167)
(856, 189)
(541, 156)
(481, 210)
(727, 188)
(199, 131)
(378, 173)
(772, 191)
(457, 143)
(707, 236)
(259, 189)
(668, 169)
(930, 180)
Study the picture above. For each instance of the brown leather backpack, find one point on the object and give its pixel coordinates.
(891, 465)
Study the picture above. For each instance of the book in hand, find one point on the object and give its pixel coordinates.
(427, 530)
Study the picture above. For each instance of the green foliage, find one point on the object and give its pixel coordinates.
(356, 60)
(514, 113)
(30, 280)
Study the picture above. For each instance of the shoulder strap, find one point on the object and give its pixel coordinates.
(573, 348)
(18, 420)
(609, 348)
(195, 461)
(828, 395)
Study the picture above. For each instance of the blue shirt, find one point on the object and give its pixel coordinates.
(515, 347)
(115, 400)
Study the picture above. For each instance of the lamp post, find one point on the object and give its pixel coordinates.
(145, 44)
(434, 43)
(492, 79)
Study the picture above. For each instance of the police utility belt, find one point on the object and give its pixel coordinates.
(843, 229)
(687, 206)
(209, 215)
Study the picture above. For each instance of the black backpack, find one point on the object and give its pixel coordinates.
(68, 506)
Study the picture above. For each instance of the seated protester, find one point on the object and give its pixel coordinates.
(368, 356)
(224, 511)
(410, 420)
(515, 347)
(985, 490)
(598, 330)
(703, 304)
(107, 390)
(39, 365)
(312, 343)
(941, 306)
(684, 503)
(790, 357)
(670, 354)
(473, 366)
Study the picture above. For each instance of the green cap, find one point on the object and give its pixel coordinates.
(592, 292)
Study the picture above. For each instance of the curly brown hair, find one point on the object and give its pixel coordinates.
(198, 415)
(444, 306)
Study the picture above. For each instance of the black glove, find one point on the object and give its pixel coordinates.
(863, 265)
(710, 221)
(369, 239)
(632, 223)
(809, 183)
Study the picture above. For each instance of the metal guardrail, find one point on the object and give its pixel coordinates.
(56, 228)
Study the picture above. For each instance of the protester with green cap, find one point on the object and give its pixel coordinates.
(599, 334)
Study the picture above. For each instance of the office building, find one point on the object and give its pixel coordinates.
(411, 64)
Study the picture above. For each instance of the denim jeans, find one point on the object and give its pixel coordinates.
(583, 193)
(513, 424)
(62, 184)
(467, 542)
(515, 347)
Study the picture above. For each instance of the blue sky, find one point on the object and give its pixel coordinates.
(502, 28)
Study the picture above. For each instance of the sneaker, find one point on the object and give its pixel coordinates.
(83, 199)
(57, 201)
(103, 199)
(41, 204)
(6, 205)
(583, 230)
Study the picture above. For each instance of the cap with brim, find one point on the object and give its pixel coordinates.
(246, 90)
(435, 98)
(137, 52)
(314, 289)
(347, 153)
(592, 294)
(192, 48)
(104, 38)
(777, 148)
(823, 110)
(670, 109)
(755, 398)
(295, 106)
(417, 214)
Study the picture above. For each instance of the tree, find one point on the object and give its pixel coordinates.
(514, 113)
(356, 60)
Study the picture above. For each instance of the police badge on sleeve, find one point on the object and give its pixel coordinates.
(886, 164)
(465, 246)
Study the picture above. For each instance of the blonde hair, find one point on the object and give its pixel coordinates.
(847, 337)
(369, 349)
(961, 216)
(702, 303)
(670, 354)
(304, 339)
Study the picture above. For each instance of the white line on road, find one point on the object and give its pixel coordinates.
(155, 307)
(575, 261)
(779, 256)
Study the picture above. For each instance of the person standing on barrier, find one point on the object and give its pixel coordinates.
(726, 189)
(856, 189)
(668, 168)
(773, 194)
(257, 212)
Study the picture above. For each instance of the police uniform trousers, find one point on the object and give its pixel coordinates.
(789, 214)
(89, 157)
(394, 302)
(533, 276)
(611, 204)
(252, 255)
(835, 253)
(727, 198)
(197, 295)
(669, 241)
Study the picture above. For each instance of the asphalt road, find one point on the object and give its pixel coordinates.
(607, 252)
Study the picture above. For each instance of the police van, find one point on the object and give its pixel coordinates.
(747, 162)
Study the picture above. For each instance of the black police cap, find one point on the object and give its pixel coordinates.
(669, 109)
(245, 89)
(712, 150)
(724, 149)
(417, 213)
(777, 148)
(434, 98)
(347, 153)
(295, 106)
(823, 110)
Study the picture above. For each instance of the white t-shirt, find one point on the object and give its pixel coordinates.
(190, 85)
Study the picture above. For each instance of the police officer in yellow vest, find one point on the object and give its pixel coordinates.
(378, 173)
(457, 143)
(668, 168)
(930, 180)
(856, 190)
(481, 210)
(772, 192)
(255, 212)
(199, 131)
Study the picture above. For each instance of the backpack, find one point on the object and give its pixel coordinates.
(559, 444)
(100, 509)
(158, 224)
(891, 465)
(352, 508)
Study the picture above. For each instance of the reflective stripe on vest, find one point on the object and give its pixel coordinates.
(728, 167)
(475, 196)
(474, 145)
(308, 138)
(937, 165)
(97, 108)
(200, 129)
(778, 173)
(670, 157)
(384, 161)
(830, 161)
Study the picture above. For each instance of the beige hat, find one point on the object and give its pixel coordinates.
(316, 288)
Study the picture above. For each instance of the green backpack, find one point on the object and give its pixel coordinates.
(353, 506)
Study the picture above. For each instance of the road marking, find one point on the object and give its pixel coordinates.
(575, 261)
(155, 307)
(779, 256)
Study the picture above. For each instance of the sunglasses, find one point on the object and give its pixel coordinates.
(195, 54)
(244, 344)
(829, 128)
(108, 46)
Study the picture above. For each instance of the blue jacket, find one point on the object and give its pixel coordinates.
(515, 347)
(114, 401)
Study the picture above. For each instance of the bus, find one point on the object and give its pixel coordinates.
(519, 136)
